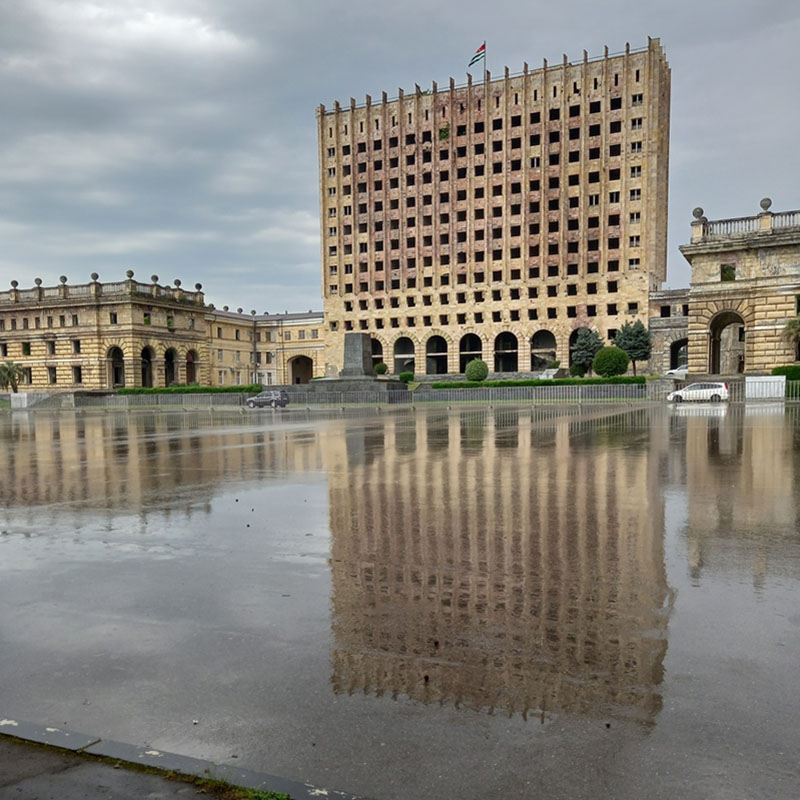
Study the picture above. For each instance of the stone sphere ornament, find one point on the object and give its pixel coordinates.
(94, 276)
(697, 213)
(37, 281)
(129, 273)
(63, 279)
(766, 203)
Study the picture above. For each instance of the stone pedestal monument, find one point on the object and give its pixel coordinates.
(357, 356)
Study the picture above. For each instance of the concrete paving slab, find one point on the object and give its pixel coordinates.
(56, 737)
(20, 761)
(88, 781)
(150, 757)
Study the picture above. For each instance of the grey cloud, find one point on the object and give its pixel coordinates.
(179, 136)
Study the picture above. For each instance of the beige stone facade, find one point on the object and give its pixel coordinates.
(495, 218)
(745, 288)
(129, 333)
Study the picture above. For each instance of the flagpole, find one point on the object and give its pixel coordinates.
(485, 65)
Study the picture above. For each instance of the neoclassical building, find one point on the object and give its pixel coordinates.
(745, 287)
(129, 333)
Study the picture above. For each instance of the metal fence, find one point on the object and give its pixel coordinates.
(652, 391)
(190, 400)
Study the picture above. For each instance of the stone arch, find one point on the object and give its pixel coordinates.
(543, 349)
(403, 349)
(115, 366)
(470, 347)
(170, 366)
(191, 366)
(301, 369)
(147, 357)
(378, 348)
(506, 352)
(678, 352)
(726, 343)
(436, 350)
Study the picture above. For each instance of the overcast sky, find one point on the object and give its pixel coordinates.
(178, 137)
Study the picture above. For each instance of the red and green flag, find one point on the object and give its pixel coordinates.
(480, 55)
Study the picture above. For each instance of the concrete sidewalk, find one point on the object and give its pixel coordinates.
(46, 763)
(36, 772)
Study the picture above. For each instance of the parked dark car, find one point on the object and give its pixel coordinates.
(273, 399)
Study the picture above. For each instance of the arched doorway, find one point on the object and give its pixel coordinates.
(301, 369)
(377, 352)
(726, 344)
(147, 367)
(436, 356)
(469, 348)
(191, 367)
(116, 367)
(573, 337)
(170, 371)
(543, 350)
(505, 352)
(403, 355)
(679, 354)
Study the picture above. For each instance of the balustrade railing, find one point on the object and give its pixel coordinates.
(786, 219)
(731, 227)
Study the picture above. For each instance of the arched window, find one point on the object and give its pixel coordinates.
(436, 356)
(403, 355)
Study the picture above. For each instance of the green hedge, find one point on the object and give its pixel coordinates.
(537, 382)
(254, 388)
(792, 372)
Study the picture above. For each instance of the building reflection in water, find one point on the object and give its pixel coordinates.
(142, 462)
(509, 561)
(742, 467)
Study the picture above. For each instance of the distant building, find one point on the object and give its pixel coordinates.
(494, 219)
(745, 287)
(128, 333)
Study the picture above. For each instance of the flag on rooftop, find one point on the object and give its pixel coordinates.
(480, 54)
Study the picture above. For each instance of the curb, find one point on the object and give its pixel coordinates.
(81, 743)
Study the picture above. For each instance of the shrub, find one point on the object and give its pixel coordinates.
(610, 361)
(622, 379)
(554, 364)
(577, 370)
(791, 371)
(476, 370)
(406, 377)
(381, 368)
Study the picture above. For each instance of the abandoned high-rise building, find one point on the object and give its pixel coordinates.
(495, 218)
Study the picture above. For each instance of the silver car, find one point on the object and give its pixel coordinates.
(714, 392)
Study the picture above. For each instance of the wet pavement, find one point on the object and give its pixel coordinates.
(449, 603)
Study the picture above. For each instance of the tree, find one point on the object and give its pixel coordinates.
(476, 370)
(634, 339)
(791, 331)
(610, 361)
(11, 375)
(587, 344)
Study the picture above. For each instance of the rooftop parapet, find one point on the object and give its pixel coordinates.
(95, 290)
(705, 230)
